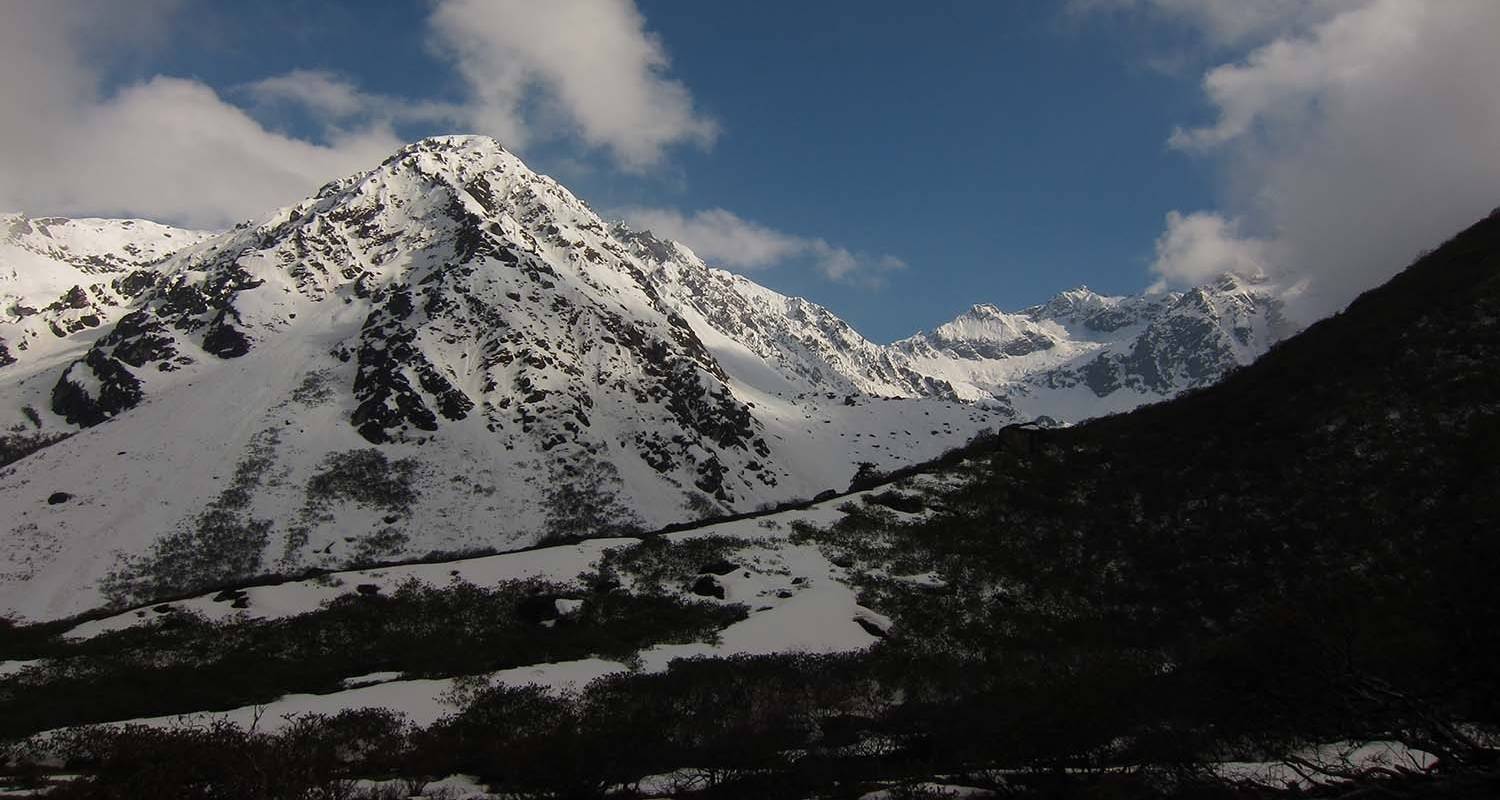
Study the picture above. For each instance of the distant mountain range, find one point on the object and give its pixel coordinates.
(450, 351)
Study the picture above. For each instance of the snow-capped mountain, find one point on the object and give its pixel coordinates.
(446, 352)
(451, 352)
(60, 277)
(1082, 354)
(808, 348)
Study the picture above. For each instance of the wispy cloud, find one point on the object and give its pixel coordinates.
(337, 102)
(1225, 23)
(723, 238)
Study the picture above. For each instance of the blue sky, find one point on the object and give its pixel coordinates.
(896, 162)
(962, 138)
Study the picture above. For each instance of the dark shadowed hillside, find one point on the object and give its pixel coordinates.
(1303, 553)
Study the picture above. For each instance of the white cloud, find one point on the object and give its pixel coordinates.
(1284, 82)
(321, 92)
(166, 148)
(211, 164)
(719, 236)
(723, 238)
(1198, 247)
(176, 150)
(1349, 144)
(591, 63)
(335, 101)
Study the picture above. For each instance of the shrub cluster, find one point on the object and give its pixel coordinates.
(581, 501)
(16, 446)
(365, 477)
(222, 543)
(182, 664)
(656, 563)
(311, 757)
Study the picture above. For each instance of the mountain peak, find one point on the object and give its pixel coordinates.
(455, 156)
(1238, 282)
(465, 143)
(1071, 302)
(461, 161)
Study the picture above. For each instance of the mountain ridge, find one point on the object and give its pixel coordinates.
(443, 353)
(450, 351)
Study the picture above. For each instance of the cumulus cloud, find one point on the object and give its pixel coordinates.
(209, 164)
(1351, 140)
(1199, 247)
(590, 62)
(165, 148)
(724, 238)
(180, 151)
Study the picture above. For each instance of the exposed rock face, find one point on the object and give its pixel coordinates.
(95, 389)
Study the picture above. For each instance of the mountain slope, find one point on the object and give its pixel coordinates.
(805, 346)
(450, 352)
(446, 352)
(60, 279)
